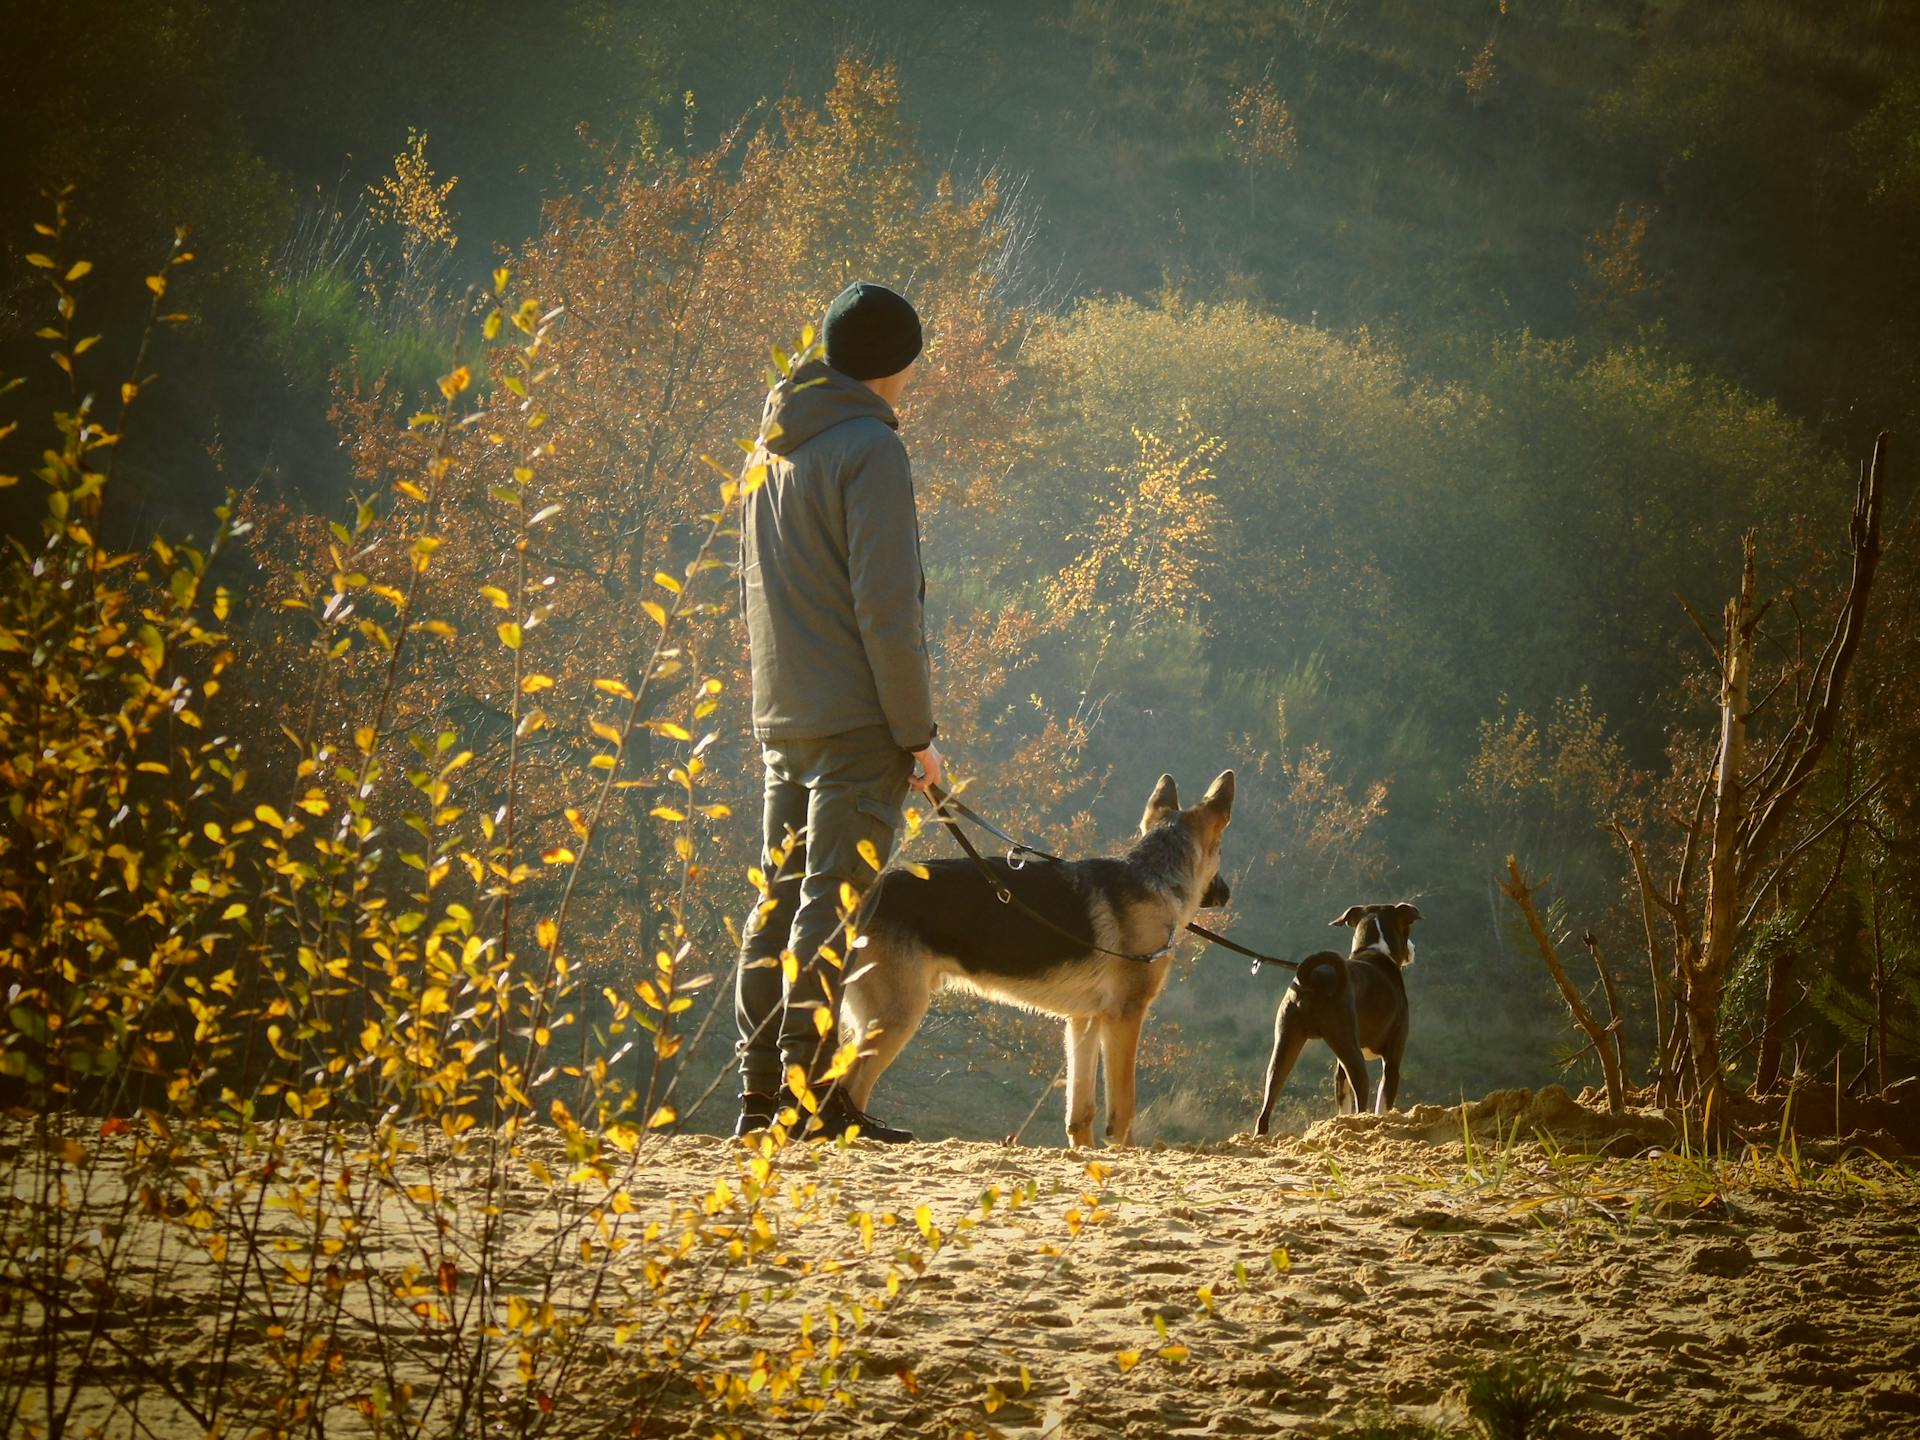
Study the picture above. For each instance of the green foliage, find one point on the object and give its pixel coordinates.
(1520, 1400)
(317, 323)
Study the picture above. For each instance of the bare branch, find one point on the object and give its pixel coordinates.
(1713, 645)
(1516, 889)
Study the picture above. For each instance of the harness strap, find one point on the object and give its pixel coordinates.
(943, 803)
(941, 800)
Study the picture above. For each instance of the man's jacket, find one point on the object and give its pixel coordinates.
(830, 568)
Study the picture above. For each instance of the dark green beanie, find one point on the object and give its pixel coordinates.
(870, 331)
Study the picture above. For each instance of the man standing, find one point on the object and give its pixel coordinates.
(833, 591)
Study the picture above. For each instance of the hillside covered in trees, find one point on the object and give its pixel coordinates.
(1484, 428)
(1348, 392)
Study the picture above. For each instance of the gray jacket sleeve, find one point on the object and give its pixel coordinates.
(889, 589)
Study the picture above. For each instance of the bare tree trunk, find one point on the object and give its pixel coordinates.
(1880, 988)
(1521, 893)
(1707, 982)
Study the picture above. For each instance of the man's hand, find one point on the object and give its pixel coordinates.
(932, 769)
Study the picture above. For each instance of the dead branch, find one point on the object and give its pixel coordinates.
(1616, 1026)
(1815, 724)
(1521, 893)
(1663, 1000)
(1713, 645)
(1844, 813)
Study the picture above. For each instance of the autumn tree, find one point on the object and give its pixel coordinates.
(660, 291)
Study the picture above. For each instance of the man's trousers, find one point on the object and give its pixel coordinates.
(823, 798)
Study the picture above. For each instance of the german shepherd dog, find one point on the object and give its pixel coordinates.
(949, 928)
(1356, 1002)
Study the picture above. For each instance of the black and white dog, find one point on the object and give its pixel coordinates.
(945, 926)
(1356, 1002)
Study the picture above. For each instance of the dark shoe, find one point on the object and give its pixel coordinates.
(756, 1113)
(839, 1114)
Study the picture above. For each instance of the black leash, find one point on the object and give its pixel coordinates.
(1018, 850)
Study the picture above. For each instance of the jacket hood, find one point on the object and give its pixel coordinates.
(815, 398)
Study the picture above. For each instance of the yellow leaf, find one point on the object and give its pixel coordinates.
(156, 283)
(40, 262)
(666, 582)
(546, 932)
(666, 812)
(869, 854)
(843, 1060)
(80, 268)
(534, 684)
(451, 385)
(510, 634)
(665, 1115)
(1174, 1354)
(267, 815)
(653, 610)
(559, 855)
(822, 1017)
(1126, 1360)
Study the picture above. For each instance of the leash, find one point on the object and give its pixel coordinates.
(1017, 853)
(1258, 958)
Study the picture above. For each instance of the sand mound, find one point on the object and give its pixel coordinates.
(1523, 1115)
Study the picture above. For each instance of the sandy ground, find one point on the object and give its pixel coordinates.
(1300, 1284)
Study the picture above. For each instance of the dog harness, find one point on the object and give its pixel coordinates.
(947, 808)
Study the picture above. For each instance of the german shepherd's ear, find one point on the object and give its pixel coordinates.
(1354, 915)
(1215, 810)
(1162, 803)
(1219, 795)
(1408, 911)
